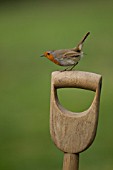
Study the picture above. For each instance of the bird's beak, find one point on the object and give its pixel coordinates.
(42, 55)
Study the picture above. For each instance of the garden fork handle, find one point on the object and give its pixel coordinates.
(74, 132)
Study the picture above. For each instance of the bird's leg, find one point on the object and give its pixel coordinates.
(73, 66)
(67, 69)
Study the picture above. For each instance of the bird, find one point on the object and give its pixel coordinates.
(67, 57)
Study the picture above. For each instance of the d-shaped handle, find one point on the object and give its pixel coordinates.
(74, 132)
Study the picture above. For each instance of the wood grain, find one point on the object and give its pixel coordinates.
(71, 161)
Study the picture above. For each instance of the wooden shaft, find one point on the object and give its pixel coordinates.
(71, 161)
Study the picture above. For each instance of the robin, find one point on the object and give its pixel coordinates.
(66, 57)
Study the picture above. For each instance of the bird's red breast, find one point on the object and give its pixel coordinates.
(51, 58)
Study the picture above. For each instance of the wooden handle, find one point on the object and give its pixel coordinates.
(71, 161)
(76, 79)
(74, 132)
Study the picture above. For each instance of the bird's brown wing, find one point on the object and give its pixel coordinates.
(71, 54)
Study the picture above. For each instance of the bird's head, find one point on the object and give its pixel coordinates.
(47, 54)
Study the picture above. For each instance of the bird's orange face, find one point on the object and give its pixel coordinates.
(50, 56)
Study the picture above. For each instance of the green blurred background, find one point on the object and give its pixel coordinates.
(27, 29)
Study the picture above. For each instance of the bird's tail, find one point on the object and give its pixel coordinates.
(80, 45)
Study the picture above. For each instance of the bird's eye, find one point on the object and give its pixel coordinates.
(48, 53)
